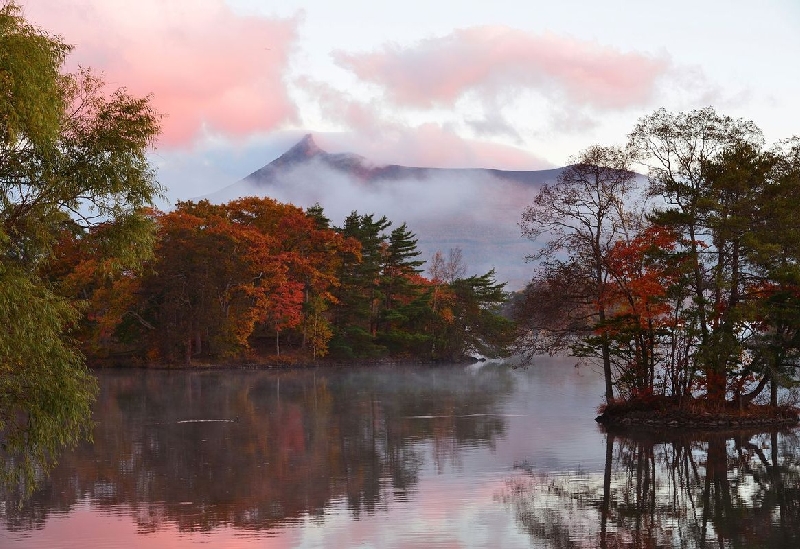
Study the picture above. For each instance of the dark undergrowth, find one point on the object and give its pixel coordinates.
(668, 411)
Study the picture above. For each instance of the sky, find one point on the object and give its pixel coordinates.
(507, 84)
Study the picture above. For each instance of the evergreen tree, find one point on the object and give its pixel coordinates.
(356, 315)
(406, 300)
(476, 325)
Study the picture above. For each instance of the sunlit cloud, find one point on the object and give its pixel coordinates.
(391, 140)
(208, 69)
(492, 60)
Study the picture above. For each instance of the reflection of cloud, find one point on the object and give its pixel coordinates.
(207, 68)
(491, 59)
(82, 528)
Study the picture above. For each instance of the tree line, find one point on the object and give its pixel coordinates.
(684, 283)
(256, 279)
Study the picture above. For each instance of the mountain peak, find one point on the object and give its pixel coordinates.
(305, 149)
(308, 144)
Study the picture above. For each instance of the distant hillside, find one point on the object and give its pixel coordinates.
(306, 150)
(471, 208)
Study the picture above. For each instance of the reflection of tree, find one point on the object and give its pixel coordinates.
(725, 489)
(298, 442)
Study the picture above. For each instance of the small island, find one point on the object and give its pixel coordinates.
(694, 414)
(682, 284)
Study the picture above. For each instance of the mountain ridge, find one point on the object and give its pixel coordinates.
(358, 166)
(475, 209)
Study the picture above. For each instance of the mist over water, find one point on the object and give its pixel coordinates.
(483, 455)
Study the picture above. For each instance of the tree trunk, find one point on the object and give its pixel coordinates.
(773, 393)
(748, 398)
(716, 385)
(188, 350)
(606, 352)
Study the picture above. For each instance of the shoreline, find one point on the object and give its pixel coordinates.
(694, 414)
(290, 364)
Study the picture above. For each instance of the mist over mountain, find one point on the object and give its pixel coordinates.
(477, 210)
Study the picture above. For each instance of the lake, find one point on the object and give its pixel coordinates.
(482, 455)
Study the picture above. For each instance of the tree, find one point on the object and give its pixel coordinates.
(85, 268)
(399, 265)
(356, 314)
(691, 157)
(70, 155)
(229, 276)
(699, 292)
(446, 271)
(641, 311)
(404, 293)
(555, 310)
(772, 248)
(582, 215)
(209, 283)
(475, 324)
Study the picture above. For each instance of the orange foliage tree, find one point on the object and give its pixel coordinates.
(226, 275)
(641, 314)
(88, 268)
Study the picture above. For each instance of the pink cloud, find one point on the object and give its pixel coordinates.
(437, 145)
(390, 141)
(208, 68)
(492, 59)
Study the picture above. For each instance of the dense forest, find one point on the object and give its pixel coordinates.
(256, 280)
(683, 284)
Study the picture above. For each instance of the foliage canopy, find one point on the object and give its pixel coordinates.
(692, 291)
(72, 157)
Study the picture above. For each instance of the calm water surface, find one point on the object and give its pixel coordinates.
(461, 456)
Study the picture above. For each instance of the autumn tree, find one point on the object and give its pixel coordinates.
(85, 268)
(643, 313)
(308, 251)
(230, 276)
(203, 288)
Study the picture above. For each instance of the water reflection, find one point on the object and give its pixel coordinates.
(669, 489)
(258, 450)
(401, 457)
